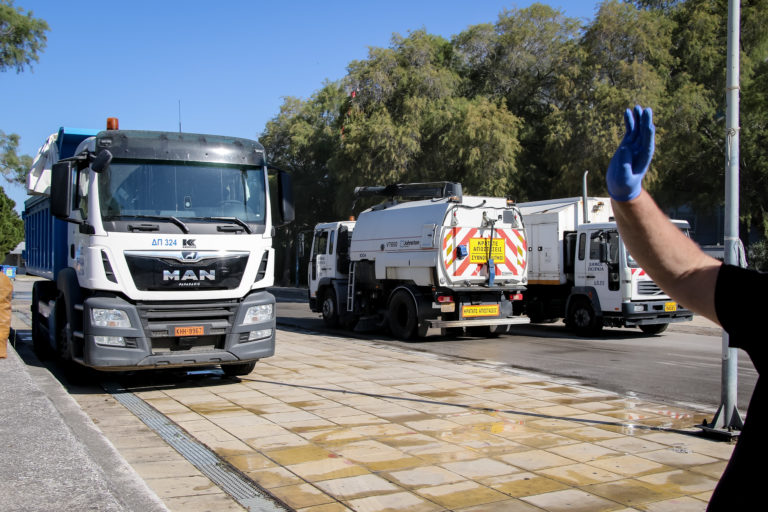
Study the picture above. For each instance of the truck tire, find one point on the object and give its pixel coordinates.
(238, 369)
(330, 308)
(582, 318)
(402, 315)
(63, 338)
(653, 328)
(40, 346)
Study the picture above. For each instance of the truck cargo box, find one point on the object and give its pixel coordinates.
(46, 238)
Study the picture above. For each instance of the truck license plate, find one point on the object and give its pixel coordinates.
(473, 311)
(670, 306)
(189, 330)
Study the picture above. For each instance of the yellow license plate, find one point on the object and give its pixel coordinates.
(474, 311)
(670, 306)
(191, 330)
(478, 250)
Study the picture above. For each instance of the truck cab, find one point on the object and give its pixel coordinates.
(157, 247)
(580, 270)
(329, 266)
(624, 294)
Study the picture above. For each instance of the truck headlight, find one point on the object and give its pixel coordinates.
(110, 318)
(255, 314)
(639, 308)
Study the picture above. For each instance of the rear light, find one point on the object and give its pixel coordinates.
(444, 299)
(515, 296)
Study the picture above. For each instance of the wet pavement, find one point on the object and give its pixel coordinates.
(332, 423)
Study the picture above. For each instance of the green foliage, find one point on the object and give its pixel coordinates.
(22, 37)
(11, 226)
(12, 166)
(757, 256)
(522, 106)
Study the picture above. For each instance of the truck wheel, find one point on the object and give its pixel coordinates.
(330, 309)
(62, 331)
(582, 318)
(238, 369)
(654, 328)
(402, 315)
(40, 346)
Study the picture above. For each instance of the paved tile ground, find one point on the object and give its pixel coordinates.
(331, 424)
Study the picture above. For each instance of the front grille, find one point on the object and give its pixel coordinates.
(648, 288)
(159, 319)
(185, 270)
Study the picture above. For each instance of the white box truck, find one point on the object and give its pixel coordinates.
(156, 248)
(428, 257)
(580, 270)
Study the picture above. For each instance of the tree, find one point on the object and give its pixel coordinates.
(11, 226)
(692, 157)
(302, 139)
(527, 59)
(622, 59)
(22, 37)
(410, 120)
(13, 167)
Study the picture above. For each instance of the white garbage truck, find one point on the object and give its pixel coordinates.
(426, 257)
(156, 248)
(580, 270)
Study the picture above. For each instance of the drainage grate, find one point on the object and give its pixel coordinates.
(243, 490)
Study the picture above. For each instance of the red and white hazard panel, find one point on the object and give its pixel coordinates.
(507, 249)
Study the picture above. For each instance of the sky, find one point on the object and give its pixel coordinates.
(220, 67)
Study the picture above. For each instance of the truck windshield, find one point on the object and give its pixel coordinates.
(185, 191)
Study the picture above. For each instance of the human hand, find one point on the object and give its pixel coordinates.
(631, 160)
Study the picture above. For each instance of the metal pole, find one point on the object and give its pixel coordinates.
(585, 197)
(727, 418)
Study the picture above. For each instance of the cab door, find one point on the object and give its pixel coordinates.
(321, 258)
(602, 272)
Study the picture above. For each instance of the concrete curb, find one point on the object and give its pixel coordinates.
(54, 457)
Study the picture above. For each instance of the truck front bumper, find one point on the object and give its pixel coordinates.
(654, 312)
(170, 334)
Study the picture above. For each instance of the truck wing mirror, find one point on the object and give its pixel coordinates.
(285, 193)
(284, 199)
(100, 162)
(61, 189)
(603, 249)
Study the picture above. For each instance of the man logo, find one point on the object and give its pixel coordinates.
(189, 275)
(188, 243)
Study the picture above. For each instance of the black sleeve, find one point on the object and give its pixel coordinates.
(741, 305)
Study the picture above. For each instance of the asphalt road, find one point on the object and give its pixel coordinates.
(680, 367)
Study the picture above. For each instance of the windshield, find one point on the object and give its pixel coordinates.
(183, 190)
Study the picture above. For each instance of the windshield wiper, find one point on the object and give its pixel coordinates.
(171, 218)
(235, 220)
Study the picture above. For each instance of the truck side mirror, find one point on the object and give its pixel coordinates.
(603, 249)
(61, 189)
(285, 197)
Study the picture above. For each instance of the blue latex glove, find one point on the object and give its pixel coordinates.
(630, 162)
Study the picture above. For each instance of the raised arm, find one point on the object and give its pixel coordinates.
(673, 260)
